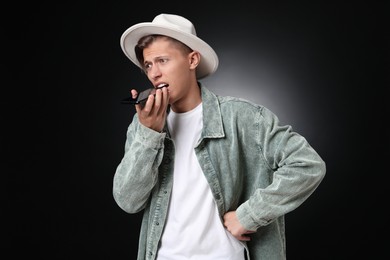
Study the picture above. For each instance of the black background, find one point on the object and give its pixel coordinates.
(321, 66)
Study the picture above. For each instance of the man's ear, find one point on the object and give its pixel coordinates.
(194, 58)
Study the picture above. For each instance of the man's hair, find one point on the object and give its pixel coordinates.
(145, 41)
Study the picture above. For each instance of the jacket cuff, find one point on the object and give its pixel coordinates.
(246, 219)
(149, 138)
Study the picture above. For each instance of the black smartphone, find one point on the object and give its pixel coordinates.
(142, 96)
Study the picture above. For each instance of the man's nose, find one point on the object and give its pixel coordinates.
(155, 71)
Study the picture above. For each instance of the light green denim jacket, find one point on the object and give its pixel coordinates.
(255, 166)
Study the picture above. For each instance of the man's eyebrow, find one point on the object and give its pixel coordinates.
(156, 58)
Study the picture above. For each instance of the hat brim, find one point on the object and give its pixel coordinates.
(209, 59)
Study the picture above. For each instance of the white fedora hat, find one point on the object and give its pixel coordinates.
(177, 27)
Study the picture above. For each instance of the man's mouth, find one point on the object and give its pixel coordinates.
(162, 85)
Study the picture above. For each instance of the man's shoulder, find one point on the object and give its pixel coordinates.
(238, 102)
(230, 103)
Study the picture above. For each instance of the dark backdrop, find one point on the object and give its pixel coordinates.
(321, 66)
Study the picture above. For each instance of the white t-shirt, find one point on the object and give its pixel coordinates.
(193, 229)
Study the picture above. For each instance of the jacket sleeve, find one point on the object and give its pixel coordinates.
(297, 171)
(137, 173)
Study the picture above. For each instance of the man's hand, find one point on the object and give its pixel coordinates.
(154, 113)
(235, 228)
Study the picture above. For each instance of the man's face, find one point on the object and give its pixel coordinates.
(165, 63)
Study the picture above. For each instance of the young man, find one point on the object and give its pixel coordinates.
(214, 175)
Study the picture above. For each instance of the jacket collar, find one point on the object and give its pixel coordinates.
(212, 118)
